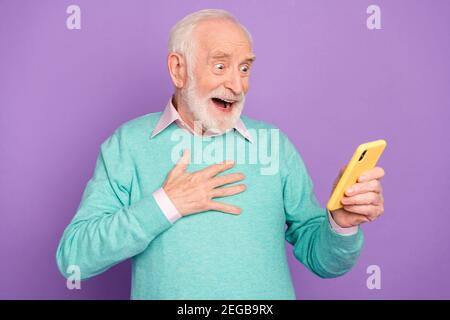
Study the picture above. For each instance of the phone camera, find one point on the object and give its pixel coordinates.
(362, 155)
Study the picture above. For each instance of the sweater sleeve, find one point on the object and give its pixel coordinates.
(321, 249)
(107, 228)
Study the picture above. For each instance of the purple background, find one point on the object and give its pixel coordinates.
(321, 76)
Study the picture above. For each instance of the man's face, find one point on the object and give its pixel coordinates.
(217, 85)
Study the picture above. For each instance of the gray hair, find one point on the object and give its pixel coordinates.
(181, 40)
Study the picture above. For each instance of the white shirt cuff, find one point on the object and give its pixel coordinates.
(166, 205)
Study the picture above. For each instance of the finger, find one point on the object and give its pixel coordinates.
(375, 173)
(217, 168)
(363, 198)
(363, 187)
(182, 164)
(365, 210)
(357, 219)
(224, 207)
(228, 191)
(369, 213)
(226, 179)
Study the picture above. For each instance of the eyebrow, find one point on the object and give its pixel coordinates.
(250, 58)
(221, 55)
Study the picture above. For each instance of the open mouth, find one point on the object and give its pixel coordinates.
(223, 104)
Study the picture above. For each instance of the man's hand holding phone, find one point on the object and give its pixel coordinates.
(357, 195)
(363, 201)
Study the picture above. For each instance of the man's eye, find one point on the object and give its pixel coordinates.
(219, 66)
(245, 68)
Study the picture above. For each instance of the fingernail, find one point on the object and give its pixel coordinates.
(350, 190)
(361, 178)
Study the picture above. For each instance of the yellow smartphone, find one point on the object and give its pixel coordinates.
(365, 158)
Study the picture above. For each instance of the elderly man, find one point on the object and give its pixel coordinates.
(202, 230)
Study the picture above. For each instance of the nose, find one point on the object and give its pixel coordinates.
(234, 82)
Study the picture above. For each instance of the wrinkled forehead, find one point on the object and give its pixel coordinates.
(221, 36)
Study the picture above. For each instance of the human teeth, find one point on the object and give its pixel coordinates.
(226, 103)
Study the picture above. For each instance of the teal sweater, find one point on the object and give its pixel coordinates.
(209, 255)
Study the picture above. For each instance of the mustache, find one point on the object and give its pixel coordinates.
(225, 94)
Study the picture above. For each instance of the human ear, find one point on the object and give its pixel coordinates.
(177, 69)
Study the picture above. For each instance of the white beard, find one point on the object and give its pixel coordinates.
(199, 107)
